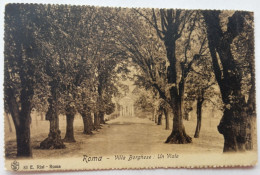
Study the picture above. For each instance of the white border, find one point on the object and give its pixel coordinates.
(251, 5)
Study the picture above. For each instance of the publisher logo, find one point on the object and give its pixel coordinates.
(15, 165)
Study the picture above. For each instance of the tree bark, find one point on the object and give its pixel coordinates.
(88, 124)
(102, 117)
(23, 130)
(53, 141)
(178, 134)
(99, 115)
(70, 115)
(21, 119)
(249, 133)
(235, 118)
(23, 141)
(153, 115)
(166, 119)
(96, 121)
(233, 129)
(199, 111)
(186, 115)
(169, 33)
(69, 136)
(251, 99)
(20, 104)
(23, 137)
(159, 119)
(22, 123)
(155, 119)
(251, 114)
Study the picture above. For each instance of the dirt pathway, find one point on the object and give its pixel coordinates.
(124, 135)
(128, 135)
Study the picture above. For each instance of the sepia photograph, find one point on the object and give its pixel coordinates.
(96, 88)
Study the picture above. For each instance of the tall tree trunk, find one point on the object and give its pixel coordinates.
(153, 115)
(22, 123)
(21, 119)
(235, 117)
(155, 118)
(249, 134)
(23, 129)
(166, 119)
(186, 115)
(88, 123)
(102, 117)
(69, 136)
(70, 115)
(159, 119)
(96, 121)
(23, 141)
(199, 109)
(251, 101)
(233, 129)
(53, 141)
(251, 114)
(23, 136)
(178, 134)
(99, 116)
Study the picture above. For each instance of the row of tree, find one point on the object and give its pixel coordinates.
(183, 54)
(67, 59)
(59, 60)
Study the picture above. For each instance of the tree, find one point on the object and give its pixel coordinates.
(145, 101)
(23, 69)
(86, 51)
(236, 117)
(108, 58)
(201, 86)
(176, 30)
(163, 108)
(85, 103)
(243, 50)
(160, 106)
(57, 53)
(77, 68)
(68, 67)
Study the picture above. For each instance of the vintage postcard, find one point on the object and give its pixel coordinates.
(96, 88)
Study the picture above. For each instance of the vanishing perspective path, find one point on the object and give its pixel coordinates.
(127, 135)
(123, 135)
(132, 135)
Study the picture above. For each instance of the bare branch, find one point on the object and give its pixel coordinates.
(178, 22)
(189, 38)
(202, 44)
(154, 25)
(164, 25)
